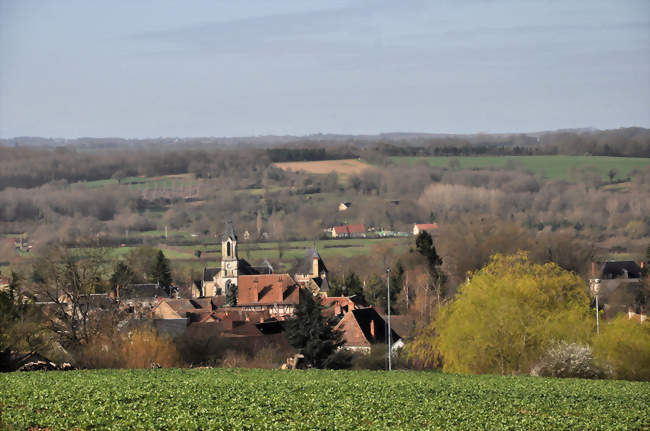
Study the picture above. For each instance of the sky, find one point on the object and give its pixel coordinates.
(138, 69)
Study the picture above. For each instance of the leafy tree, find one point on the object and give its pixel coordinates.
(231, 294)
(67, 280)
(142, 261)
(624, 345)
(11, 312)
(376, 290)
(505, 318)
(161, 271)
(611, 174)
(314, 335)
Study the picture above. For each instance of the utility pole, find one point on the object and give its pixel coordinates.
(597, 322)
(390, 365)
(596, 289)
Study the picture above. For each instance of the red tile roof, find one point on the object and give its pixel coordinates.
(267, 289)
(349, 229)
(426, 226)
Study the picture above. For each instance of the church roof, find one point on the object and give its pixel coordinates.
(229, 232)
(245, 268)
(210, 273)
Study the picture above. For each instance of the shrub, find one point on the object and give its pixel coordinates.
(624, 345)
(568, 360)
(138, 349)
(234, 359)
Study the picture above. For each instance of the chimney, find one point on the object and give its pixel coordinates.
(117, 290)
(593, 269)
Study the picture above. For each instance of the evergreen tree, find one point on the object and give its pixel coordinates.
(424, 245)
(349, 285)
(231, 294)
(314, 335)
(161, 273)
(122, 276)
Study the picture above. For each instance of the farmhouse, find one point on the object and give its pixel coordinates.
(429, 227)
(618, 286)
(276, 293)
(364, 327)
(343, 206)
(349, 231)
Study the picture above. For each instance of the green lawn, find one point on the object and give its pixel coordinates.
(554, 167)
(236, 399)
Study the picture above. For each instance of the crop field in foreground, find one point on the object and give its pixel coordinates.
(215, 399)
(553, 167)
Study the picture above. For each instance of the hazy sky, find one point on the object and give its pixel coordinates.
(232, 68)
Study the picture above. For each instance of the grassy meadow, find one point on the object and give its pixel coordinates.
(553, 167)
(254, 399)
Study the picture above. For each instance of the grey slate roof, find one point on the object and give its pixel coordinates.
(209, 273)
(306, 266)
(133, 291)
(618, 269)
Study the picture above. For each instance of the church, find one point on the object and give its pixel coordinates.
(216, 280)
(312, 273)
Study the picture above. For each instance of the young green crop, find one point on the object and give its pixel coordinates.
(215, 399)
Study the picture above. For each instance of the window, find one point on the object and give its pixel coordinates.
(228, 249)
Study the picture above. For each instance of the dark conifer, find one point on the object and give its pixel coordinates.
(314, 335)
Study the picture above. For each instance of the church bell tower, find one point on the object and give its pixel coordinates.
(229, 258)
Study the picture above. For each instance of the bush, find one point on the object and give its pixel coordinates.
(568, 360)
(234, 359)
(138, 349)
(624, 345)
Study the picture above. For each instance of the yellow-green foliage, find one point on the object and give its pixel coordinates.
(504, 318)
(624, 345)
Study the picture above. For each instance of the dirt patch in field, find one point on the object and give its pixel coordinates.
(341, 167)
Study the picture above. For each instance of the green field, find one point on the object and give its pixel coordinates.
(554, 167)
(236, 399)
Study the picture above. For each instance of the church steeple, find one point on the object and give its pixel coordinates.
(229, 258)
(229, 232)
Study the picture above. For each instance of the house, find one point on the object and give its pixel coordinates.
(312, 273)
(4, 283)
(618, 286)
(349, 231)
(276, 293)
(429, 227)
(143, 294)
(339, 306)
(343, 206)
(364, 327)
(216, 280)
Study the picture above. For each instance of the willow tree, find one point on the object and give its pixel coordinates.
(505, 317)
